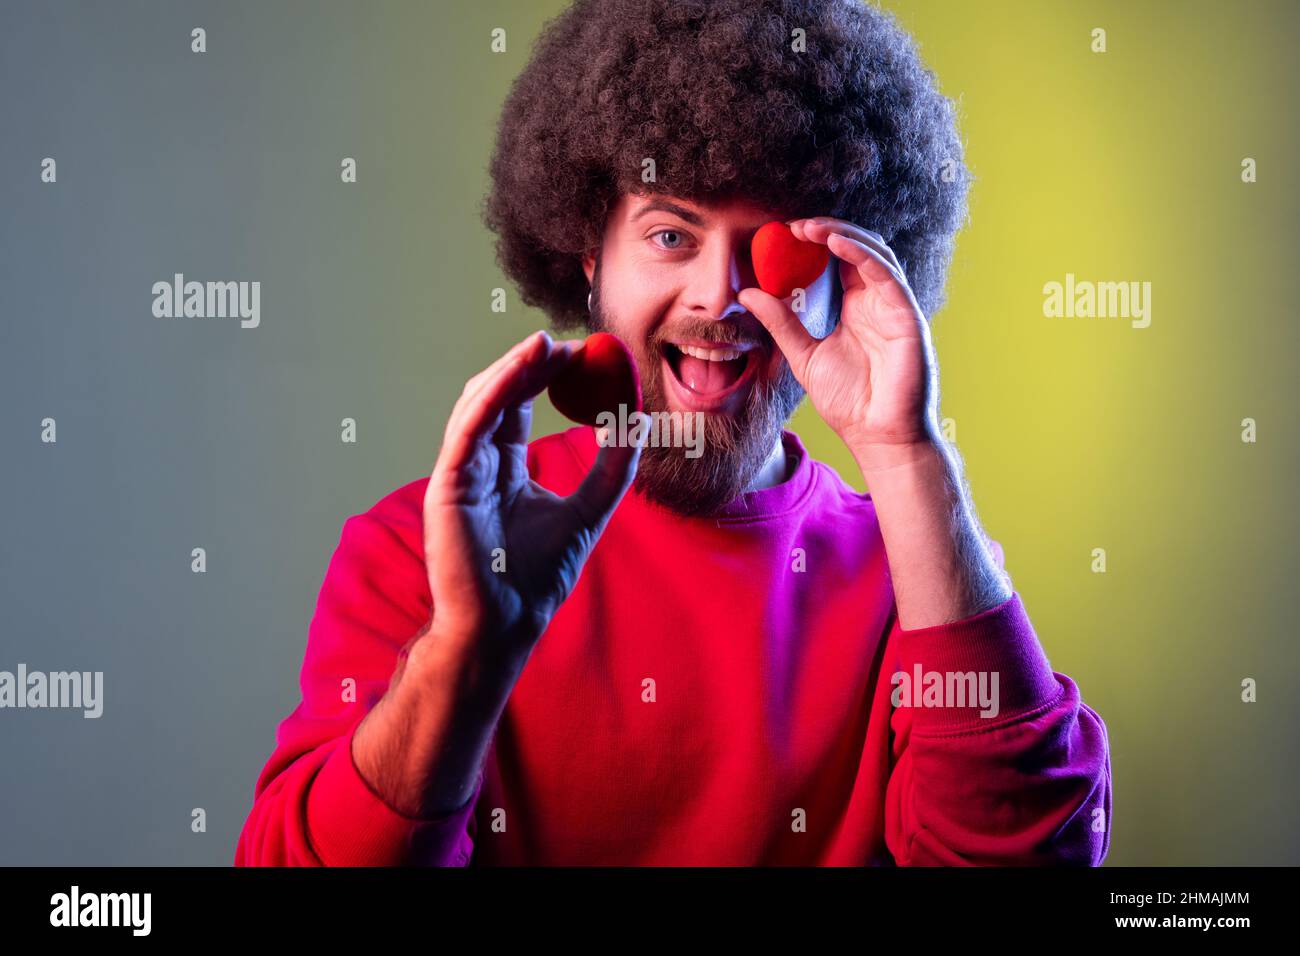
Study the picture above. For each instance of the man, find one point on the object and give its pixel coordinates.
(576, 651)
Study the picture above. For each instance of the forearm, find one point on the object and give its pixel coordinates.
(421, 746)
(941, 568)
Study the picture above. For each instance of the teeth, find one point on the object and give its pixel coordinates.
(712, 355)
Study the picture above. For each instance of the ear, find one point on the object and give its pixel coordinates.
(589, 265)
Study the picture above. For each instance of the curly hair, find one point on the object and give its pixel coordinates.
(716, 94)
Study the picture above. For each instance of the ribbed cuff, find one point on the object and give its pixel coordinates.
(998, 641)
(350, 825)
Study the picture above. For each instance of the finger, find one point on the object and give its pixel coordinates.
(511, 380)
(870, 266)
(517, 379)
(517, 421)
(549, 361)
(794, 341)
(819, 228)
(512, 440)
(604, 486)
(476, 382)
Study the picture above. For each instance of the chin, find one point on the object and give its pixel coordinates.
(738, 437)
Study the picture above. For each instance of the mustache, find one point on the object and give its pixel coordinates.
(718, 333)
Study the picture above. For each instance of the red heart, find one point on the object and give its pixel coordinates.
(600, 377)
(783, 263)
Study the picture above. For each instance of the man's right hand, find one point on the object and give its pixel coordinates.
(502, 552)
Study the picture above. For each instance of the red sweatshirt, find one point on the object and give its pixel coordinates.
(715, 691)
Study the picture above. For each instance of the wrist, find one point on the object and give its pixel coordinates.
(465, 665)
(877, 460)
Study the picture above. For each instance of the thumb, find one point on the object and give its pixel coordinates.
(794, 341)
(610, 476)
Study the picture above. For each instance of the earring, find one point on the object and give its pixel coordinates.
(589, 302)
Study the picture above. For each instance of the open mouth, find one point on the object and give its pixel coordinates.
(711, 373)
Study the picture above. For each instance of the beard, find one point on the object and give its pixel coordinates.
(733, 448)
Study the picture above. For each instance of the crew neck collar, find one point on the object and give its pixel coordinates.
(748, 506)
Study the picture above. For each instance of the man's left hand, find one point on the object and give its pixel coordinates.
(874, 379)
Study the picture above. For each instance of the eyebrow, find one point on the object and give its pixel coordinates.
(663, 205)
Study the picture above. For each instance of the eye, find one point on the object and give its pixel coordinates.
(677, 234)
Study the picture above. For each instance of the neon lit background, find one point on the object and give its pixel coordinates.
(1077, 433)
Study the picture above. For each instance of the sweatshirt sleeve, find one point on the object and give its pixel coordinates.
(311, 806)
(1026, 784)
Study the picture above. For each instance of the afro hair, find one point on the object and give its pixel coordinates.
(721, 96)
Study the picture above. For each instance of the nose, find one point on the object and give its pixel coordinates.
(717, 276)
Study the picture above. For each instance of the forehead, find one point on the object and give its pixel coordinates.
(726, 211)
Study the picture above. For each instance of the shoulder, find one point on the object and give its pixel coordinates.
(394, 524)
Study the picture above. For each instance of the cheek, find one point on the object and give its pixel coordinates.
(636, 307)
(631, 322)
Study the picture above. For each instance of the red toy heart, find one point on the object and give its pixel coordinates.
(600, 377)
(783, 263)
